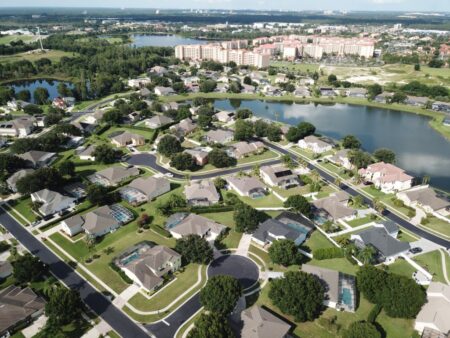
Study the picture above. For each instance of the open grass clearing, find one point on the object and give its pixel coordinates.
(432, 262)
(52, 55)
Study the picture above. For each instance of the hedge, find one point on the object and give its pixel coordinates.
(122, 274)
(328, 253)
(205, 210)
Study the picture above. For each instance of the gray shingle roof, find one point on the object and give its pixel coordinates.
(383, 242)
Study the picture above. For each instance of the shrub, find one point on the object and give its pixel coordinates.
(122, 274)
(328, 253)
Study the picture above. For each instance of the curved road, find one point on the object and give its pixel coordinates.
(93, 298)
(150, 161)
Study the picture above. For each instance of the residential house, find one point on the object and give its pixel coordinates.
(158, 121)
(6, 269)
(76, 189)
(158, 71)
(113, 175)
(281, 78)
(260, 323)
(145, 189)
(441, 106)
(388, 248)
(433, 317)
(247, 186)
(87, 153)
(37, 159)
(428, 200)
(164, 91)
(315, 144)
(279, 176)
(18, 306)
(225, 116)
(193, 224)
(73, 225)
(19, 127)
(334, 207)
(15, 105)
(341, 158)
(139, 82)
(12, 180)
(247, 89)
(221, 88)
(302, 91)
(144, 92)
(384, 97)
(84, 127)
(147, 265)
(184, 127)
(271, 90)
(191, 80)
(417, 101)
(51, 202)
(287, 225)
(387, 177)
(134, 116)
(356, 92)
(446, 121)
(391, 227)
(327, 91)
(219, 136)
(127, 139)
(105, 219)
(201, 193)
(200, 154)
(340, 288)
(95, 118)
(243, 149)
(169, 106)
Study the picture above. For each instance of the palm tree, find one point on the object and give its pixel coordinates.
(315, 176)
(338, 182)
(367, 255)
(288, 161)
(378, 205)
(255, 170)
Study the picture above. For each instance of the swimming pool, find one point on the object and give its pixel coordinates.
(347, 297)
(130, 258)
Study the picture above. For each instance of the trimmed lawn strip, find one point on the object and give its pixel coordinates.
(405, 236)
(268, 201)
(359, 221)
(184, 281)
(266, 155)
(401, 267)
(317, 241)
(339, 264)
(23, 207)
(438, 225)
(432, 262)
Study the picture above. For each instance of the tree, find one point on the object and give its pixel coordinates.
(220, 159)
(207, 86)
(112, 116)
(288, 161)
(350, 142)
(183, 161)
(367, 255)
(10, 163)
(6, 94)
(27, 268)
(243, 130)
(361, 329)
(169, 145)
(261, 128)
(274, 133)
(67, 168)
(64, 90)
(332, 79)
(63, 306)
(293, 135)
(42, 178)
(32, 109)
(24, 95)
(97, 194)
(220, 183)
(384, 155)
(284, 252)
(378, 205)
(306, 128)
(234, 87)
(298, 294)
(399, 296)
(359, 158)
(221, 294)
(243, 113)
(298, 203)
(105, 154)
(246, 218)
(374, 90)
(247, 80)
(204, 121)
(398, 97)
(417, 67)
(211, 325)
(194, 249)
(41, 95)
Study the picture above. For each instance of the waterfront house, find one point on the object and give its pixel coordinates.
(341, 158)
(384, 97)
(247, 186)
(225, 116)
(315, 144)
(181, 225)
(387, 177)
(417, 101)
(327, 91)
(340, 288)
(356, 92)
(441, 106)
(51, 202)
(279, 176)
(247, 89)
(302, 91)
(164, 91)
(201, 193)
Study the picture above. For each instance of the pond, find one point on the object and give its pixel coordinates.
(420, 149)
(141, 40)
(50, 85)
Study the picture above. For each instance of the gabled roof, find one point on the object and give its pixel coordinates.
(202, 190)
(314, 139)
(160, 120)
(428, 197)
(117, 174)
(383, 242)
(278, 173)
(127, 137)
(35, 156)
(51, 200)
(260, 323)
(12, 180)
(219, 135)
(88, 151)
(245, 184)
(149, 185)
(334, 206)
(330, 277)
(99, 219)
(435, 312)
(197, 225)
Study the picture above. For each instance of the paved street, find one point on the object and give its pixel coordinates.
(94, 299)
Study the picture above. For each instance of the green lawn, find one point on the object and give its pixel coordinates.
(372, 191)
(432, 262)
(303, 152)
(266, 155)
(7, 39)
(339, 264)
(184, 281)
(226, 218)
(317, 240)
(401, 267)
(406, 237)
(53, 55)
(268, 201)
(303, 190)
(438, 225)
(24, 209)
(360, 221)
(302, 67)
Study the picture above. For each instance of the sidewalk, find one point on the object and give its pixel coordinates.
(244, 244)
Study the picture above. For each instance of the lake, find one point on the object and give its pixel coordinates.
(51, 85)
(141, 40)
(419, 148)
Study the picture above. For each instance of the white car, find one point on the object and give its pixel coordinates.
(169, 175)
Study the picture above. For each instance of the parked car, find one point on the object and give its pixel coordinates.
(415, 250)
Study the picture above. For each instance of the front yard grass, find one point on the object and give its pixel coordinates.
(374, 192)
(406, 237)
(438, 225)
(401, 267)
(226, 218)
(23, 207)
(184, 280)
(360, 221)
(268, 201)
(432, 262)
(317, 241)
(266, 155)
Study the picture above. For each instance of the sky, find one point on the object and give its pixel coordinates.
(403, 5)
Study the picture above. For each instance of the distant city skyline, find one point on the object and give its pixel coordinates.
(401, 5)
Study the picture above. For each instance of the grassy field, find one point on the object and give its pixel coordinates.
(268, 201)
(266, 155)
(23, 207)
(359, 221)
(316, 241)
(432, 262)
(302, 67)
(401, 267)
(394, 327)
(53, 55)
(438, 225)
(7, 39)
